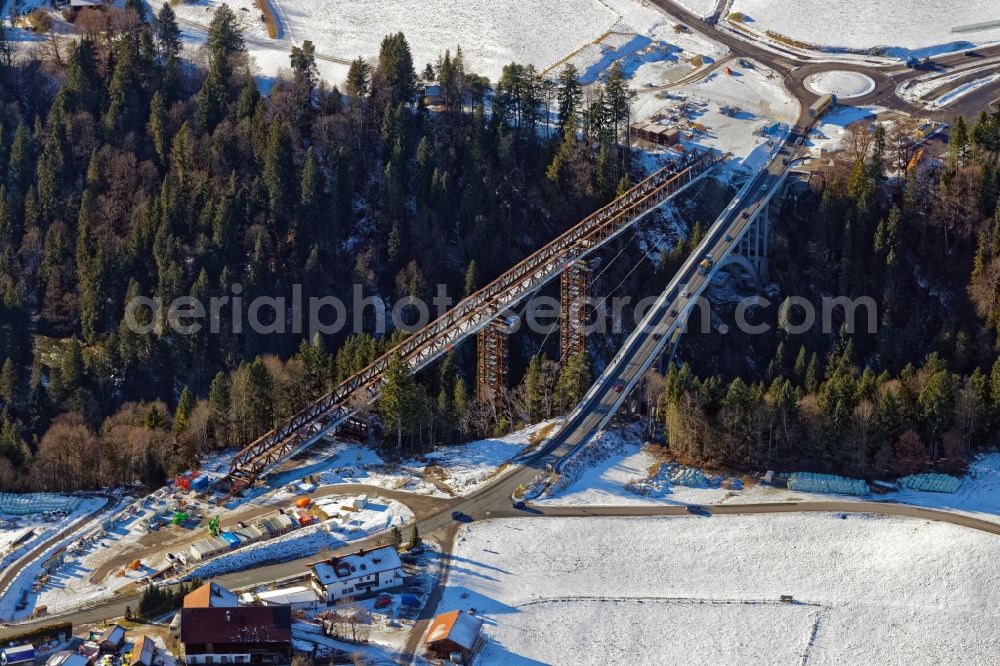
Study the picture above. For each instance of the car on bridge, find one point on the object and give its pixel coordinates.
(619, 388)
(706, 265)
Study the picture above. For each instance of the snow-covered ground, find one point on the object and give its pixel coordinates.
(737, 113)
(831, 132)
(661, 590)
(616, 472)
(72, 526)
(702, 8)
(465, 467)
(921, 27)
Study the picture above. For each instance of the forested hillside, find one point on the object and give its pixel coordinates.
(924, 388)
(128, 171)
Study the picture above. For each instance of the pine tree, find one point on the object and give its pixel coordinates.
(21, 163)
(279, 170)
(219, 409)
(395, 69)
(10, 384)
(116, 118)
(311, 194)
(617, 100)
(573, 382)
(958, 144)
(398, 404)
(534, 387)
(211, 102)
(415, 539)
(89, 271)
(158, 124)
(185, 406)
(569, 96)
(168, 34)
(224, 40)
(83, 81)
(812, 375)
(471, 284)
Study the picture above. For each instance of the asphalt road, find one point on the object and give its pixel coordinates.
(795, 67)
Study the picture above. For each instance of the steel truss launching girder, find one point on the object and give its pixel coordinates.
(467, 318)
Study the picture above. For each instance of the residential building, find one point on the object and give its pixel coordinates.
(112, 638)
(241, 635)
(210, 595)
(143, 652)
(358, 574)
(67, 658)
(454, 634)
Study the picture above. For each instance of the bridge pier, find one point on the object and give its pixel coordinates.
(493, 348)
(574, 288)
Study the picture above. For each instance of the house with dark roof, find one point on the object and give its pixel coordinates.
(454, 634)
(210, 595)
(241, 635)
(358, 574)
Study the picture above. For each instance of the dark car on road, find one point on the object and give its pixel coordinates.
(461, 517)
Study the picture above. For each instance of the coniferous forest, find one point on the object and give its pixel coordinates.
(127, 170)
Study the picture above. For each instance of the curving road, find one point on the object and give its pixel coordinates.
(796, 67)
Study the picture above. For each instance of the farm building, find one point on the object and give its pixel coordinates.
(658, 135)
(454, 632)
(237, 635)
(358, 574)
(210, 595)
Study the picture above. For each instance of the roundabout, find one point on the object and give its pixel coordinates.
(844, 84)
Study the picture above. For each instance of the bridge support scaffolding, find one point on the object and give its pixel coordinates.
(491, 366)
(574, 287)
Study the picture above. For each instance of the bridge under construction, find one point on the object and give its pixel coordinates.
(486, 313)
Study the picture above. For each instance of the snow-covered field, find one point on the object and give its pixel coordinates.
(592, 34)
(662, 590)
(922, 27)
(492, 33)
